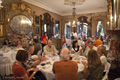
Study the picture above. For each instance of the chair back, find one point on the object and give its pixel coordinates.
(107, 68)
(39, 53)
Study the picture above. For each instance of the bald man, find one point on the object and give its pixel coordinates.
(49, 48)
(65, 69)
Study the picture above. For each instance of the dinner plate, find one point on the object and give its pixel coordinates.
(34, 56)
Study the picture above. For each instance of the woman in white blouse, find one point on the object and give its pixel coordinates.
(76, 48)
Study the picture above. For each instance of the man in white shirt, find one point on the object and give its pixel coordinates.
(89, 47)
(68, 43)
(80, 42)
(49, 48)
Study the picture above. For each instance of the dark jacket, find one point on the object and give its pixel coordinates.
(37, 48)
(4, 43)
(96, 72)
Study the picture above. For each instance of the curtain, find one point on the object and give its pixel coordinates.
(95, 22)
(94, 26)
(63, 28)
(104, 26)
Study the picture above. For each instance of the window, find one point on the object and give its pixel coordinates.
(67, 30)
(99, 30)
(82, 29)
(45, 28)
(57, 27)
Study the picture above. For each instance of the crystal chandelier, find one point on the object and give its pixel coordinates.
(74, 17)
(74, 3)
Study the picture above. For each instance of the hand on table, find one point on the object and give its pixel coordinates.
(42, 58)
(36, 69)
(53, 54)
(84, 63)
(31, 69)
(81, 52)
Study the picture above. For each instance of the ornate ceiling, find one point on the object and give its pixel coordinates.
(57, 6)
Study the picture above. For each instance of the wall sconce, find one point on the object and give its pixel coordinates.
(8, 19)
(108, 23)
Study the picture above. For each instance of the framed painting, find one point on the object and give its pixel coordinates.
(37, 30)
(37, 20)
(1, 30)
(1, 15)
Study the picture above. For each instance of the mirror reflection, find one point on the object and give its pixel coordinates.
(21, 25)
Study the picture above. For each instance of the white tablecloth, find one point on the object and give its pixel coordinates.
(47, 68)
(6, 69)
(7, 59)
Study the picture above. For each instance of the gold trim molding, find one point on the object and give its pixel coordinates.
(16, 9)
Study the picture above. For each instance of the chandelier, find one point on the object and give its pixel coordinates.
(74, 3)
(74, 17)
(0, 4)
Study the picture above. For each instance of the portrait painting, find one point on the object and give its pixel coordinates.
(37, 20)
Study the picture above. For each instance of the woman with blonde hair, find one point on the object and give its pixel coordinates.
(101, 50)
(94, 71)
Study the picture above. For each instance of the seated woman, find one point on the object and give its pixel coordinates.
(94, 71)
(76, 48)
(19, 42)
(6, 42)
(101, 50)
(63, 42)
(18, 70)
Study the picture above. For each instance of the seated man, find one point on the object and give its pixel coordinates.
(6, 42)
(49, 48)
(37, 46)
(65, 69)
(89, 47)
(97, 42)
(32, 62)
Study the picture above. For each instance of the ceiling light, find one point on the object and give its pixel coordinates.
(72, 2)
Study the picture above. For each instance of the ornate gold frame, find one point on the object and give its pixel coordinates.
(113, 9)
(16, 9)
(37, 21)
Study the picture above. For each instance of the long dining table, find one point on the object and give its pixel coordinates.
(46, 69)
(7, 58)
(46, 66)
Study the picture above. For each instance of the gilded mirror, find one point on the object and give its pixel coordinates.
(21, 25)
